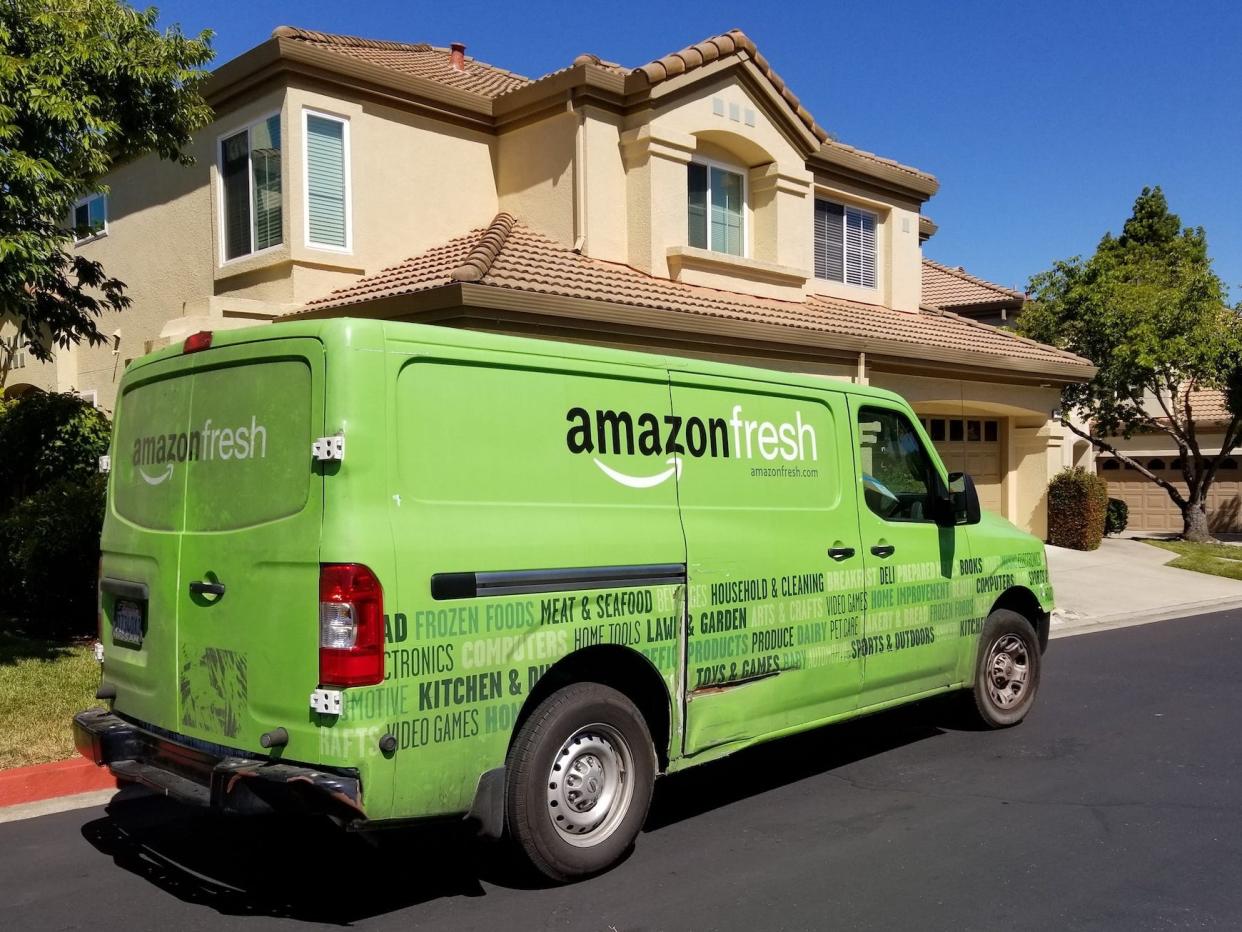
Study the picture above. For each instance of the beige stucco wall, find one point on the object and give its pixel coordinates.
(535, 174)
(616, 188)
(159, 241)
(415, 182)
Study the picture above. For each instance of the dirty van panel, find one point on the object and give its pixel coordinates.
(775, 575)
(522, 471)
(247, 647)
(141, 541)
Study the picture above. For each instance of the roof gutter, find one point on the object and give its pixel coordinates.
(455, 300)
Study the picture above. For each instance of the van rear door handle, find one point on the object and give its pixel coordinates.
(206, 588)
(883, 550)
(840, 553)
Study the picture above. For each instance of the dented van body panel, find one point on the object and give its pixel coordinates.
(751, 539)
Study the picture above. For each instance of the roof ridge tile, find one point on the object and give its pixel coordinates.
(479, 260)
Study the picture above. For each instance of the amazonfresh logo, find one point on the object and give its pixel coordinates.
(671, 436)
(155, 455)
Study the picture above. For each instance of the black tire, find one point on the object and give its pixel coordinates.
(1008, 645)
(610, 732)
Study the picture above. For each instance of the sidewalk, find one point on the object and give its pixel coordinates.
(1125, 582)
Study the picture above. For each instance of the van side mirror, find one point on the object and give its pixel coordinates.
(963, 498)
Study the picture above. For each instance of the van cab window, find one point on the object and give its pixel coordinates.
(896, 469)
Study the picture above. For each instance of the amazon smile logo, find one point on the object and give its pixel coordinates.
(155, 456)
(673, 437)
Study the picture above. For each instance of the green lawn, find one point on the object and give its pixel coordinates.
(42, 683)
(1214, 559)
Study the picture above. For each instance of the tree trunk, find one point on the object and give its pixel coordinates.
(1195, 523)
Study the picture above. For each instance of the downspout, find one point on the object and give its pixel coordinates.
(861, 377)
(580, 209)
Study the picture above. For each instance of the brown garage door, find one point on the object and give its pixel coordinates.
(971, 445)
(1151, 509)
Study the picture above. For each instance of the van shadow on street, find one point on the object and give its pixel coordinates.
(243, 866)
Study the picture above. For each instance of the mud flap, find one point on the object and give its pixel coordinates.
(488, 808)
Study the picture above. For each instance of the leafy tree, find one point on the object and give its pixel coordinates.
(1149, 311)
(84, 85)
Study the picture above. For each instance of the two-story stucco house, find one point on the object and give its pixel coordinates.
(691, 205)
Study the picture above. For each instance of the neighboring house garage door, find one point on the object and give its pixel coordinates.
(971, 445)
(1151, 509)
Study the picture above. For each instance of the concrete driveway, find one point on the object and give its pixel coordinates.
(1126, 582)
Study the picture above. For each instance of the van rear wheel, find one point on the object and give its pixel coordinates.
(578, 781)
(1006, 670)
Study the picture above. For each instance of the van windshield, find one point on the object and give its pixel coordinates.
(223, 448)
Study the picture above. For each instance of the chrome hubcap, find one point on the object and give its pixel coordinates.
(1007, 671)
(590, 785)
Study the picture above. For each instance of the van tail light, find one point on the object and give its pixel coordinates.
(351, 626)
(197, 341)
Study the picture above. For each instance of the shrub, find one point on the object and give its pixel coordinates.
(47, 437)
(1077, 503)
(49, 557)
(1117, 516)
(51, 511)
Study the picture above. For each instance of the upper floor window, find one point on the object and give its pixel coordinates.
(844, 244)
(90, 217)
(716, 208)
(250, 188)
(327, 181)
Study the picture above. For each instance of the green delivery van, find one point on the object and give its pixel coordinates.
(383, 572)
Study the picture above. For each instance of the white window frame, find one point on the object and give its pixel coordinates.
(875, 219)
(90, 395)
(735, 170)
(348, 248)
(220, 217)
(79, 240)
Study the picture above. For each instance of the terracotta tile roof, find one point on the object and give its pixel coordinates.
(418, 59)
(1208, 404)
(946, 287)
(509, 255)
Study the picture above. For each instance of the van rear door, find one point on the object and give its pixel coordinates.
(217, 508)
(141, 542)
(248, 631)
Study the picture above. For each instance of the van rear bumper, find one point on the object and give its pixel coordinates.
(237, 784)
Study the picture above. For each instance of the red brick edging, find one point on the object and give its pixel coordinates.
(45, 781)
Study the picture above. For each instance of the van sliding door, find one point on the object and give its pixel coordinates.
(775, 579)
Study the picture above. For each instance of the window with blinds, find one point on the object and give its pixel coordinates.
(715, 209)
(250, 181)
(844, 244)
(327, 209)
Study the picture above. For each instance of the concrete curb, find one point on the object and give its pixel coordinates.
(1089, 624)
(57, 804)
(71, 777)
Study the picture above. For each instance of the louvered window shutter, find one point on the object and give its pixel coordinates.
(325, 173)
(829, 241)
(727, 211)
(859, 247)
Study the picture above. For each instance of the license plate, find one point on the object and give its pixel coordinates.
(127, 623)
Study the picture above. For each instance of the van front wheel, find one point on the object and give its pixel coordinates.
(578, 781)
(1006, 670)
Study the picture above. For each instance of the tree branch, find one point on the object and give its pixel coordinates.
(1174, 429)
(1143, 470)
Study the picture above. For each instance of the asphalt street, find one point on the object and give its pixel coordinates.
(1116, 805)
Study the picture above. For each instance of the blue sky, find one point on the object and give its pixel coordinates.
(1042, 120)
